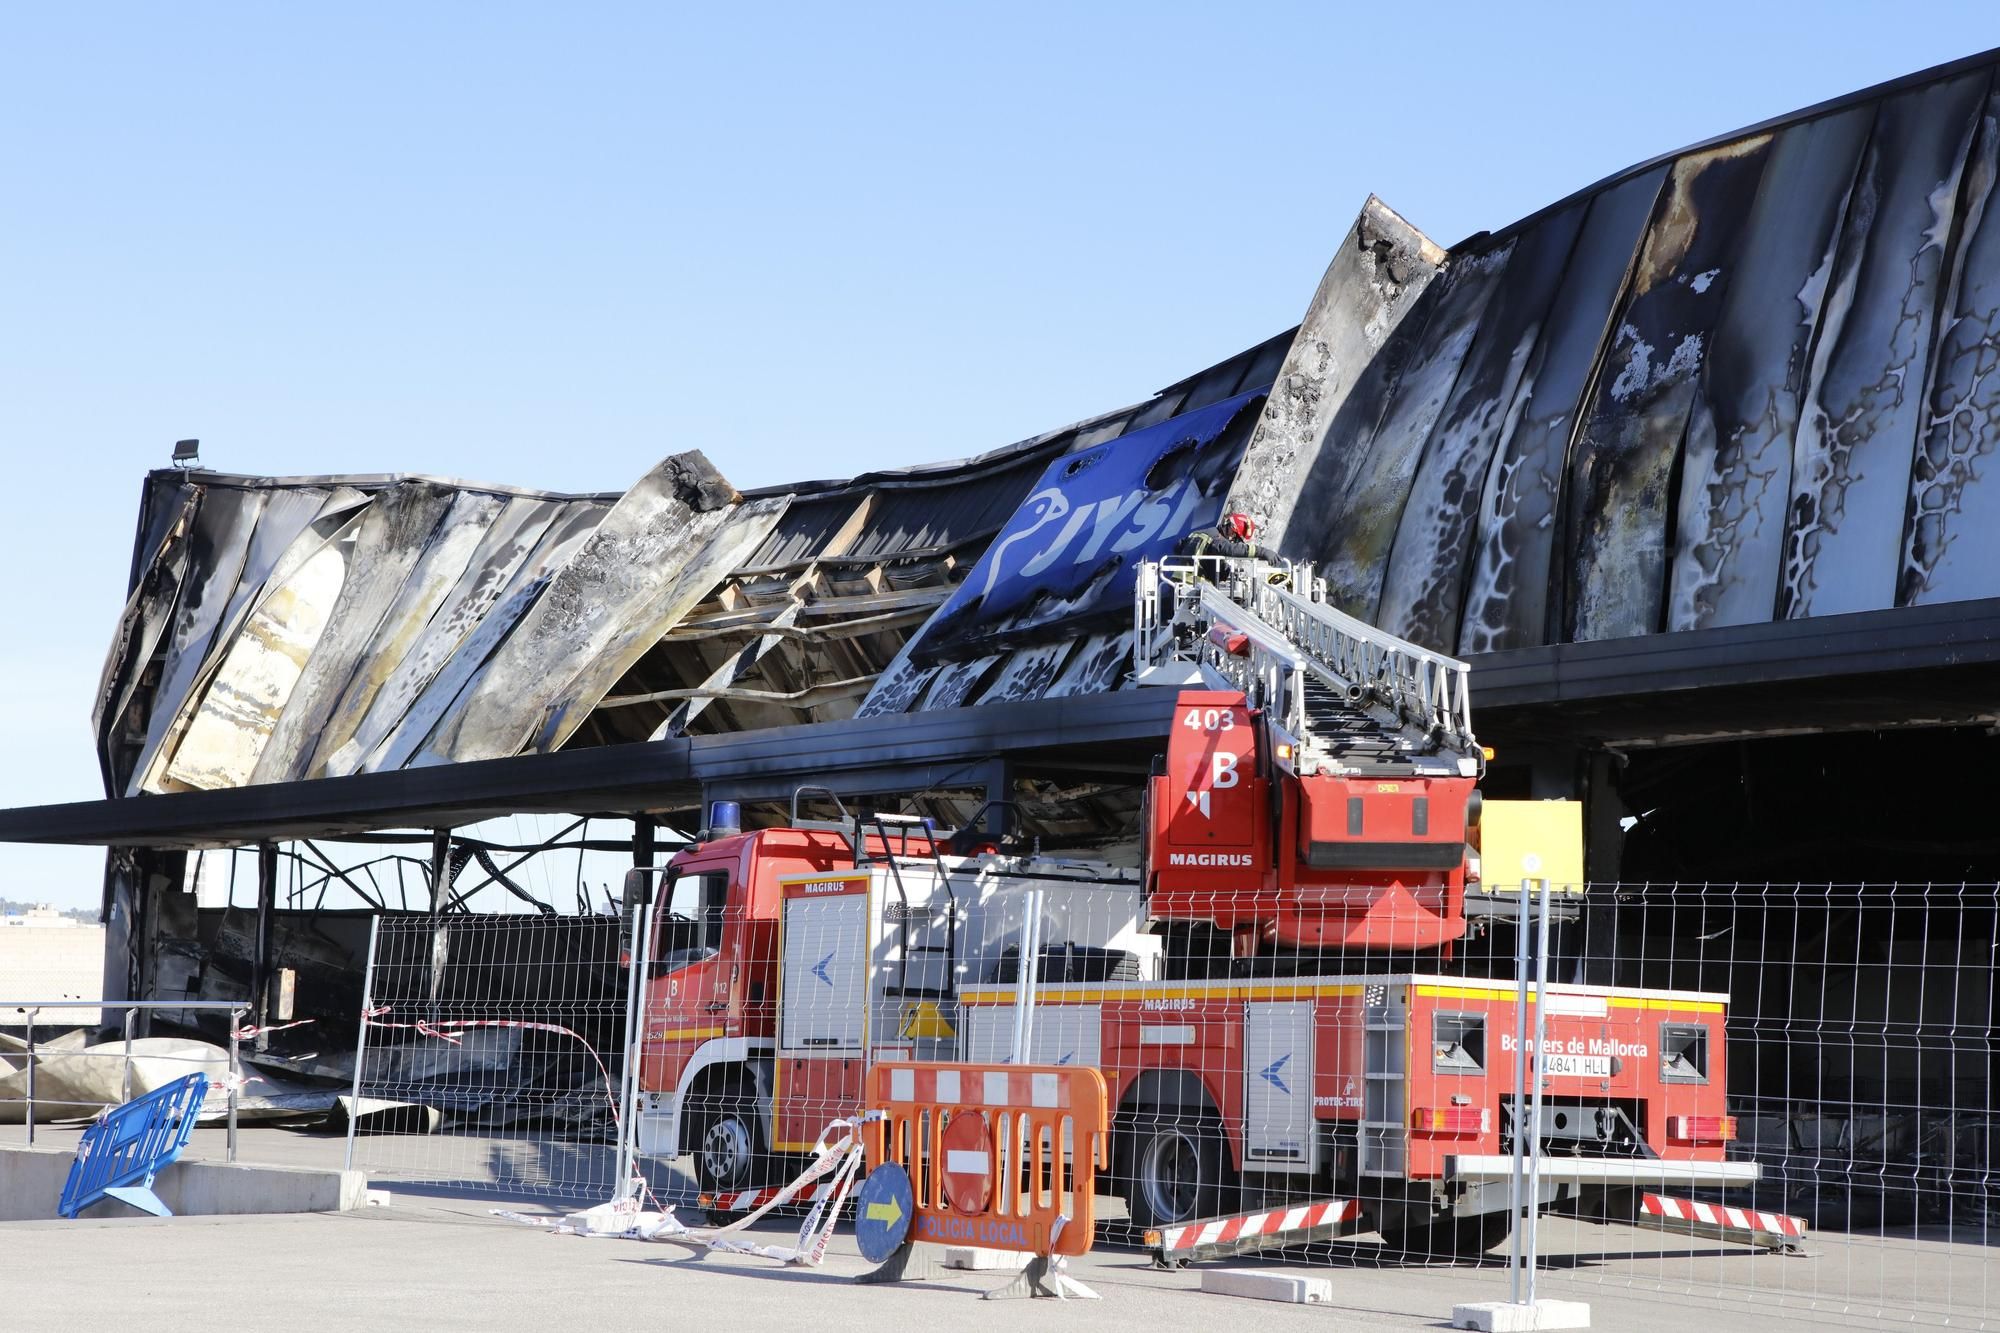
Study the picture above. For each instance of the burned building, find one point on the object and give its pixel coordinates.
(1695, 468)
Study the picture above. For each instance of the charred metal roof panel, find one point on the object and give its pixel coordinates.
(937, 518)
(1739, 384)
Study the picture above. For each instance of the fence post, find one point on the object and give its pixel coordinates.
(361, 1036)
(235, 1073)
(1514, 1182)
(635, 1042)
(1535, 1109)
(125, 1089)
(1025, 976)
(31, 1078)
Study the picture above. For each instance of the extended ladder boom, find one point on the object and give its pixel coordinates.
(1349, 692)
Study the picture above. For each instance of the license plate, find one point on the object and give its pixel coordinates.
(1576, 1066)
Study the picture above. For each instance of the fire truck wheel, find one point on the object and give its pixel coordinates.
(1176, 1171)
(726, 1143)
(1450, 1237)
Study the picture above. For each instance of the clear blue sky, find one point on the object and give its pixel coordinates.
(550, 244)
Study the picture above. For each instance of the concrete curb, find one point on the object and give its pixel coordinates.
(31, 1183)
(1267, 1284)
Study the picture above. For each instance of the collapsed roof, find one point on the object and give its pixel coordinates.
(1740, 384)
(282, 629)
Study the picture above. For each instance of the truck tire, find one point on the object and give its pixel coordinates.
(1176, 1170)
(1450, 1237)
(726, 1140)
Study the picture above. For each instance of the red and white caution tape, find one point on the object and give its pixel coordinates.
(1270, 1222)
(1722, 1215)
(449, 1029)
(252, 1030)
(836, 1157)
(745, 1200)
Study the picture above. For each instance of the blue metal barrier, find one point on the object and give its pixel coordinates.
(120, 1154)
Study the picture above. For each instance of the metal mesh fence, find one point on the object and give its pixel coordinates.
(1775, 1094)
(491, 1054)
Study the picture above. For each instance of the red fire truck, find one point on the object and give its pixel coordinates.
(1276, 993)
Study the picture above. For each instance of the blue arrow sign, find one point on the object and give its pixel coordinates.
(1269, 1073)
(882, 1210)
(819, 968)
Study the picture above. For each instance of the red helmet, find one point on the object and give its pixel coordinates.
(1238, 526)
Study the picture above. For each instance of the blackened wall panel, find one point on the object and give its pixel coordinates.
(1952, 544)
(1623, 462)
(1736, 473)
(1508, 600)
(1424, 585)
(1353, 550)
(1857, 433)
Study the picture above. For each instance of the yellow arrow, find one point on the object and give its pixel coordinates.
(890, 1212)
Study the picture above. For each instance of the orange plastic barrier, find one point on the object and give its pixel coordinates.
(984, 1146)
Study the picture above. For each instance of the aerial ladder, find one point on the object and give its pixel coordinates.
(1318, 793)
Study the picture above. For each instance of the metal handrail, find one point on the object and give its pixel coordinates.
(235, 1009)
(1427, 686)
(1289, 632)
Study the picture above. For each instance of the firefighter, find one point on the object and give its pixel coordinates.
(1230, 536)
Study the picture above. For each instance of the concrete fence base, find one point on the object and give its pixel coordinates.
(31, 1184)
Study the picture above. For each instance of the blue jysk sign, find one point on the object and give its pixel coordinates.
(1069, 553)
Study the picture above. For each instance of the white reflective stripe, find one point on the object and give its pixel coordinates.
(1583, 1006)
(1293, 1217)
(902, 1085)
(947, 1086)
(1172, 1035)
(1253, 1225)
(1170, 1239)
(967, 1161)
(1211, 1233)
(996, 1089)
(1044, 1090)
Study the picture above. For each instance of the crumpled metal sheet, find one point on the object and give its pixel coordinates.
(314, 627)
(435, 704)
(617, 572)
(254, 680)
(393, 534)
(1382, 266)
(148, 608)
(732, 535)
(504, 545)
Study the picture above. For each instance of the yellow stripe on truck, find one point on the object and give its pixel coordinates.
(1110, 996)
(1614, 1001)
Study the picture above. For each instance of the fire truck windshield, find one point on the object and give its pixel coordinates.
(690, 920)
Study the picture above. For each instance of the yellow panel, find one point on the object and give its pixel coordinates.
(1531, 840)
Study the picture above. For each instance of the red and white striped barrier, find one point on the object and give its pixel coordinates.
(1271, 1222)
(1767, 1228)
(989, 1089)
(745, 1200)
